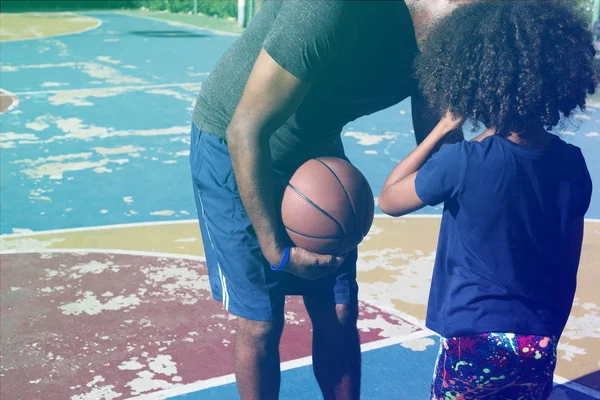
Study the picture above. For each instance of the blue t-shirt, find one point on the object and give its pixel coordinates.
(505, 259)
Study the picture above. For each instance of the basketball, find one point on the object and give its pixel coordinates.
(328, 206)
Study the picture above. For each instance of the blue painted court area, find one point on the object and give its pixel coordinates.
(391, 372)
(101, 137)
(388, 372)
(111, 106)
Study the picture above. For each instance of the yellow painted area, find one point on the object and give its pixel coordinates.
(173, 238)
(7, 101)
(395, 267)
(40, 25)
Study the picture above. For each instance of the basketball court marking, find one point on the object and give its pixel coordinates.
(190, 224)
(13, 101)
(139, 278)
(12, 28)
(285, 366)
(133, 87)
(186, 221)
(595, 394)
(111, 252)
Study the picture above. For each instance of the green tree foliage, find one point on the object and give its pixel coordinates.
(220, 8)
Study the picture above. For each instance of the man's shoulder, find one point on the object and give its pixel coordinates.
(313, 18)
(324, 6)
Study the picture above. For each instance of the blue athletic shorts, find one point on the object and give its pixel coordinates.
(240, 277)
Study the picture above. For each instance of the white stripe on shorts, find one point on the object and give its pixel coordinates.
(221, 275)
(226, 296)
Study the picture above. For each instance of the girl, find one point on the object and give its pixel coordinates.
(514, 198)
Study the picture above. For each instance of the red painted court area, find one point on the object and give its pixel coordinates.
(104, 326)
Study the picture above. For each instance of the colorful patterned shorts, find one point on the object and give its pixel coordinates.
(494, 366)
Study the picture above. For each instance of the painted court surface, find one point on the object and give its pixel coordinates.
(104, 287)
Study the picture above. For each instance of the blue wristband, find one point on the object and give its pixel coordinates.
(284, 260)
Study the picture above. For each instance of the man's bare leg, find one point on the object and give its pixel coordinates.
(336, 349)
(257, 368)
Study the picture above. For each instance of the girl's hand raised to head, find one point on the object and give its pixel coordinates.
(451, 122)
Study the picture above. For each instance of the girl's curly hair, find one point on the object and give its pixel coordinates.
(509, 64)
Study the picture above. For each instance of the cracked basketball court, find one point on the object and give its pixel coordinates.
(104, 286)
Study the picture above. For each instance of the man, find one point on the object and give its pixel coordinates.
(279, 96)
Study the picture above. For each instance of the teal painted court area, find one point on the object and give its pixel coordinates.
(101, 137)
(391, 372)
(130, 85)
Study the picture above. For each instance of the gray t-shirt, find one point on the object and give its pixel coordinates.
(357, 55)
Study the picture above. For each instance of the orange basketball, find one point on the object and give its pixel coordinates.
(328, 206)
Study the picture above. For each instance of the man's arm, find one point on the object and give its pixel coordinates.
(270, 98)
(425, 119)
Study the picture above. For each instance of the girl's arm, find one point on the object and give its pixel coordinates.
(398, 196)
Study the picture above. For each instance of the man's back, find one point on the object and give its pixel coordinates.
(357, 55)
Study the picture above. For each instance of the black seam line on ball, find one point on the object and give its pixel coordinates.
(341, 185)
(317, 207)
(314, 237)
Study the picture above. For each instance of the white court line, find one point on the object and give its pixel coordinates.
(149, 223)
(156, 254)
(410, 216)
(183, 221)
(132, 87)
(577, 387)
(100, 227)
(285, 366)
(305, 361)
(406, 317)
(15, 102)
(98, 24)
